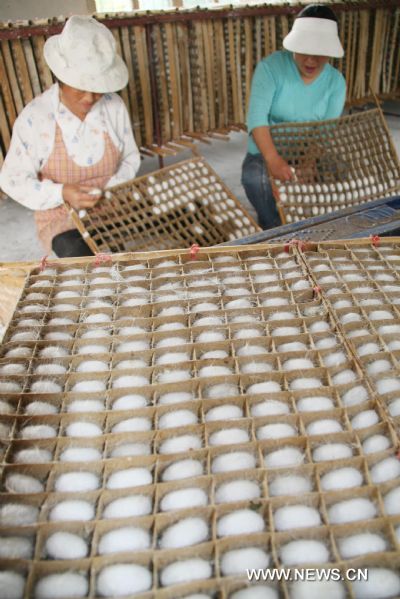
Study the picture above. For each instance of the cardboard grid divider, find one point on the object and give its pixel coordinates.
(177, 206)
(218, 326)
(338, 163)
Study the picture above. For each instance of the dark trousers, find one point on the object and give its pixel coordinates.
(70, 245)
(258, 189)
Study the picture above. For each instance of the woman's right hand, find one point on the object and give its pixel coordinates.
(78, 196)
(278, 168)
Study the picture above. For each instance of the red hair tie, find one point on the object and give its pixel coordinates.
(375, 240)
(317, 290)
(301, 245)
(194, 250)
(43, 263)
(100, 258)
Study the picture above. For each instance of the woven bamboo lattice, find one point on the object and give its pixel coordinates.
(190, 72)
(338, 164)
(213, 325)
(174, 207)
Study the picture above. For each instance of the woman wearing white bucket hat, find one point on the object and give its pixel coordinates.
(296, 84)
(75, 139)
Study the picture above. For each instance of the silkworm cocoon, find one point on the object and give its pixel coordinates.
(128, 538)
(365, 419)
(394, 345)
(46, 387)
(130, 449)
(183, 498)
(382, 582)
(360, 544)
(172, 342)
(180, 443)
(237, 490)
(344, 377)
(210, 371)
(65, 545)
(375, 443)
(236, 561)
(12, 584)
(187, 570)
(388, 385)
(324, 427)
(130, 477)
(130, 364)
(174, 397)
(304, 551)
(15, 369)
(89, 387)
(19, 352)
(298, 364)
(273, 302)
(50, 369)
(18, 514)
(129, 402)
(182, 469)
(177, 418)
(392, 501)
(119, 580)
(23, 483)
(305, 383)
(229, 436)
(15, 548)
(385, 470)
(132, 380)
(172, 358)
(300, 285)
(222, 390)
(33, 455)
(335, 359)
(80, 454)
(77, 482)
(355, 396)
(240, 522)
(210, 337)
(264, 387)
(315, 589)
(85, 405)
(184, 533)
(236, 460)
(342, 478)
(92, 349)
(40, 408)
(225, 412)
(83, 429)
(251, 350)
(133, 346)
(351, 510)
(277, 430)
(380, 314)
(291, 484)
(260, 591)
(92, 366)
(128, 507)
(296, 516)
(292, 346)
(269, 407)
(284, 458)
(283, 331)
(138, 424)
(38, 431)
(325, 343)
(6, 408)
(368, 348)
(315, 404)
(394, 407)
(244, 304)
(98, 317)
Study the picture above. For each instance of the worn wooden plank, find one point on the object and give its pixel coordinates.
(208, 43)
(22, 71)
(162, 82)
(133, 100)
(175, 80)
(249, 67)
(182, 32)
(12, 76)
(9, 108)
(221, 74)
(46, 80)
(145, 87)
(31, 64)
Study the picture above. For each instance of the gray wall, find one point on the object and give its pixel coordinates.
(13, 10)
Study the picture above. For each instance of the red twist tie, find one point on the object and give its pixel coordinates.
(194, 250)
(375, 239)
(43, 263)
(291, 243)
(100, 258)
(317, 290)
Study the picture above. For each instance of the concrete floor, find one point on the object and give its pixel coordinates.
(17, 230)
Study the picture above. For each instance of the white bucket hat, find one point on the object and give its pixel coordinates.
(84, 56)
(318, 37)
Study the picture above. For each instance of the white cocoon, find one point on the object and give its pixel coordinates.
(351, 510)
(264, 387)
(23, 483)
(237, 490)
(89, 387)
(305, 383)
(119, 580)
(128, 507)
(182, 469)
(365, 419)
(34, 455)
(361, 544)
(130, 449)
(130, 381)
(210, 371)
(375, 443)
(129, 402)
(86, 405)
(180, 444)
(184, 533)
(177, 418)
(332, 451)
(45, 387)
(15, 548)
(368, 348)
(296, 516)
(187, 570)
(392, 501)
(138, 424)
(277, 430)
(387, 469)
(342, 478)
(260, 591)
(172, 358)
(77, 482)
(183, 498)
(175, 397)
(298, 364)
(92, 366)
(269, 407)
(83, 429)
(130, 477)
(224, 412)
(229, 462)
(18, 514)
(316, 589)
(222, 390)
(128, 538)
(290, 484)
(80, 454)
(229, 436)
(40, 408)
(240, 522)
(74, 509)
(256, 367)
(394, 407)
(304, 551)
(12, 584)
(251, 350)
(388, 385)
(65, 545)
(324, 427)
(355, 396)
(283, 331)
(38, 431)
(236, 561)
(315, 404)
(284, 458)
(382, 583)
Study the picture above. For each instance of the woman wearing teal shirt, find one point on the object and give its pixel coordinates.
(294, 85)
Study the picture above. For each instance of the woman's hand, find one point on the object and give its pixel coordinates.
(278, 168)
(81, 196)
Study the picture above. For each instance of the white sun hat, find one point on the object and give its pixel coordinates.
(84, 56)
(318, 37)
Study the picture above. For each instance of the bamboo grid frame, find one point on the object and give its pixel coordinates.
(314, 263)
(190, 71)
(338, 163)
